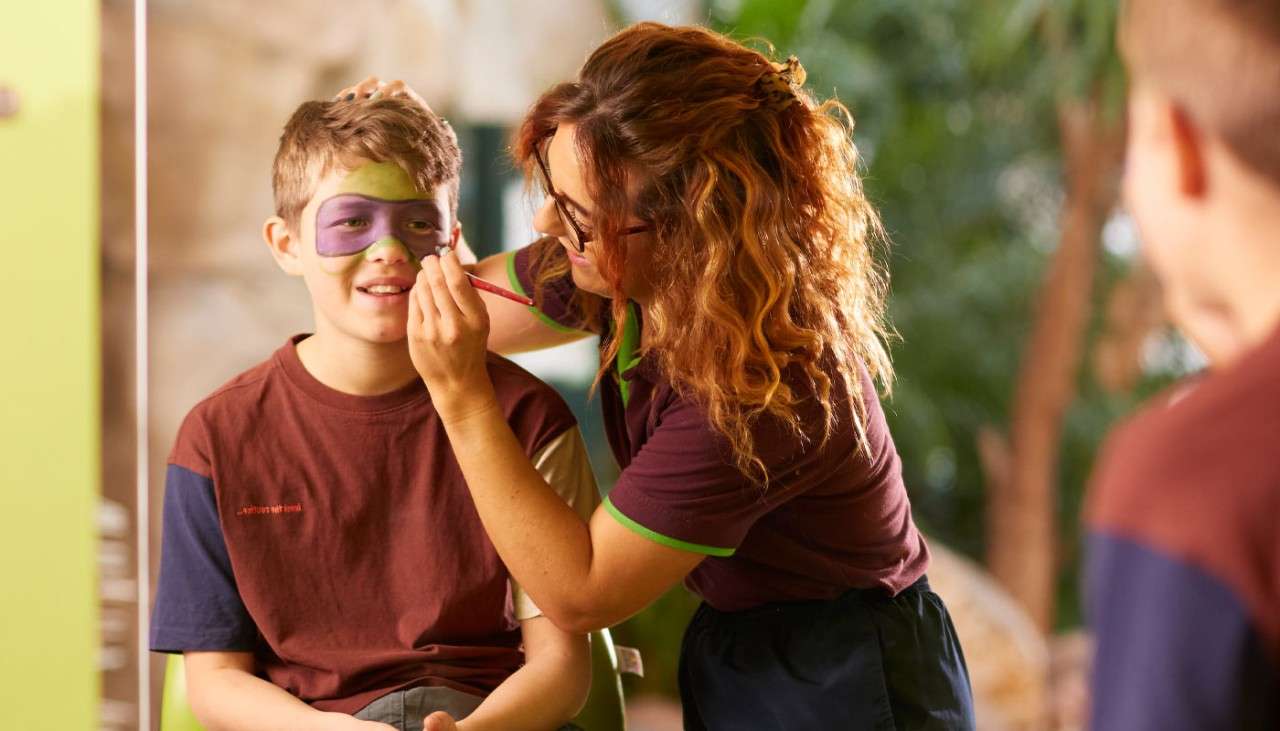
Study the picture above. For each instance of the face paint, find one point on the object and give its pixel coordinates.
(385, 180)
(347, 224)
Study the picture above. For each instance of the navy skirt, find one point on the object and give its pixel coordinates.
(864, 660)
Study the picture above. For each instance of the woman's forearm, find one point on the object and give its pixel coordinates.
(543, 542)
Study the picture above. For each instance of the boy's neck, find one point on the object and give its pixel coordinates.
(1254, 293)
(356, 367)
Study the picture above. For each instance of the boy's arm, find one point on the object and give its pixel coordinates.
(544, 694)
(1176, 648)
(198, 612)
(225, 695)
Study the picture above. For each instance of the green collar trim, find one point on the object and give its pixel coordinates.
(627, 351)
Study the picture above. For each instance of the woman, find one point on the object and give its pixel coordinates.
(703, 214)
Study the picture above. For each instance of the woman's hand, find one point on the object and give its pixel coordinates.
(373, 87)
(448, 329)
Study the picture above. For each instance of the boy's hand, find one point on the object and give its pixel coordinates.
(373, 87)
(439, 721)
(448, 332)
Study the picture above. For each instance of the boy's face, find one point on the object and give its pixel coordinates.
(361, 238)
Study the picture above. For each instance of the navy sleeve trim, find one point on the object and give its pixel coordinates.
(198, 606)
(1176, 648)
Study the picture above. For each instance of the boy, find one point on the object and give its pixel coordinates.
(1184, 512)
(323, 566)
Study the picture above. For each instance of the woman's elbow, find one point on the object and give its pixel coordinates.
(578, 617)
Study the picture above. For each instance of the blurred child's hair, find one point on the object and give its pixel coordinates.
(1219, 60)
(322, 136)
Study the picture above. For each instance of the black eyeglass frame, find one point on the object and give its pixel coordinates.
(577, 236)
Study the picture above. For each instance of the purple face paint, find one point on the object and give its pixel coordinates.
(349, 223)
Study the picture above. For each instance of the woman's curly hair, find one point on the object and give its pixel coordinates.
(767, 289)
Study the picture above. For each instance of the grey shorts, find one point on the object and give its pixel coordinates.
(405, 709)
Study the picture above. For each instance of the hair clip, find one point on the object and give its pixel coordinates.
(779, 86)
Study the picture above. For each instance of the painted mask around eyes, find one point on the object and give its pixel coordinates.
(350, 223)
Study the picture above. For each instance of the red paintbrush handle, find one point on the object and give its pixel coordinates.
(487, 286)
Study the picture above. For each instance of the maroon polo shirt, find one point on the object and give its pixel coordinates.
(333, 537)
(832, 517)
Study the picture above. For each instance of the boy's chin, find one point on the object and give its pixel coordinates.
(382, 334)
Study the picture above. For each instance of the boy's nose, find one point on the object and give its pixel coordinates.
(388, 250)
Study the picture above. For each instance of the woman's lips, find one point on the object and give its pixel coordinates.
(577, 259)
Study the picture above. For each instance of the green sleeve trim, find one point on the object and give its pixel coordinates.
(519, 288)
(664, 540)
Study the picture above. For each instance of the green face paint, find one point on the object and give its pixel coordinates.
(385, 180)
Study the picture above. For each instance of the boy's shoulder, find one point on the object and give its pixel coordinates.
(535, 410)
(1214, 436)
(227, 407)
(1195, 476)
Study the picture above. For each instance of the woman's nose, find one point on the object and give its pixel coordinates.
(546, 219)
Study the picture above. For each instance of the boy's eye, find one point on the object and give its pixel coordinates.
(421, 226)
(353, 222)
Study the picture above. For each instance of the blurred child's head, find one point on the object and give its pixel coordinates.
(363, 191)
(1203, 175)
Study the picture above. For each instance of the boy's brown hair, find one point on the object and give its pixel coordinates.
(321, 136)
(1219, 60)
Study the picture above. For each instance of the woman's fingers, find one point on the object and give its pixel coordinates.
(421, 294)
(373, 87)
(466, 297)
(451, 317)
(358, 91)
(368, 87)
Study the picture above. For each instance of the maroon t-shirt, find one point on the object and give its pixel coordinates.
(1183, 520)
(831, 518)
(334, 537)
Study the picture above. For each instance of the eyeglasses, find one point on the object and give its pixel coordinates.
(578, 236)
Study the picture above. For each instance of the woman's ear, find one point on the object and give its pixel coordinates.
(283, 245)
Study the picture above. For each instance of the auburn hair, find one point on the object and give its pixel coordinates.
(323, 135)
(767, 289)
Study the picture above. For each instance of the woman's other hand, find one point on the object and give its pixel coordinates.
(373, 87)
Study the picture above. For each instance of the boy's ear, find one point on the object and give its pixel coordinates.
(458, 243)
(283, 245)
(1189, 148)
